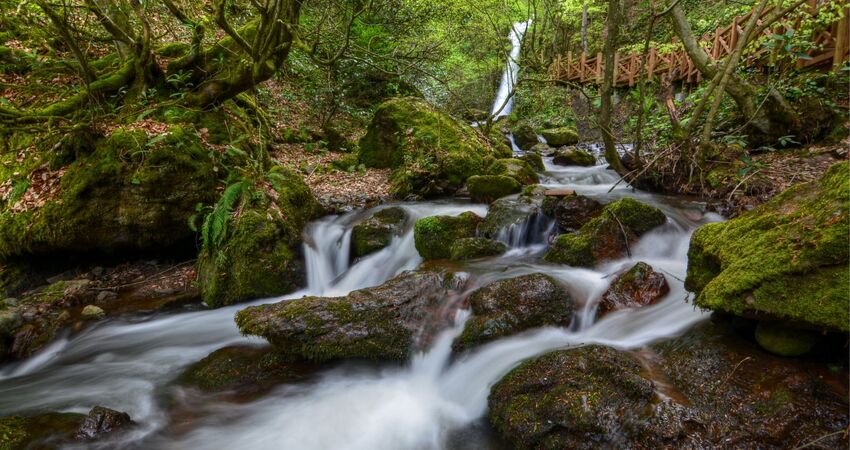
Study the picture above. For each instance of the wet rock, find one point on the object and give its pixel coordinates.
(524, 135)
(571, 211)
(488, 188)
(92, 312)
(785, 260)
(512, 211)
(608, 236)
(102, 421)
(743, 397)
(45, 430)
(257, 255)
(10, 320)
(541, 149)
(517, 169)
(557, 137)
(434, 236)
(430, 152)
(572, 156)
(783, 340)
(638, 287)
(377, 231)
(244, 370)
(587, 397)
(535, 160)
(510, 306)
(382, 322)
(476, 247)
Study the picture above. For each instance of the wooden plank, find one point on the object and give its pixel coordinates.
(650, 64)
(841, 40)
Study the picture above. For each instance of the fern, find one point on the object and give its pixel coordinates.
(215, 223)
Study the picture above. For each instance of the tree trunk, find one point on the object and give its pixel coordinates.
(613, 25)
(772, 119)
(584, 26)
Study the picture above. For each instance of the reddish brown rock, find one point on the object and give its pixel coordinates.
(639, 286)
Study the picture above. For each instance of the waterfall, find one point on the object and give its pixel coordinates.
(509, 76)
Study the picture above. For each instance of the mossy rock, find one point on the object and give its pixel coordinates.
(487, 188)
(513, 305)
(535, 160)
(785, 341)
(571, 212)
(434, 236)
(541, 149)
(607, 236)
(378, 323)
(557, 137)
(786, 260)
(430, 152)
(258, 256)
(476, 247)
(637, 287)
(587, 397)
(571, 156)
(131, 192)
(377, 231)
(244, 370)
(45, 430)
(514, 168)
(512, 211)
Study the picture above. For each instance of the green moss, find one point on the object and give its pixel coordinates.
(783, 341)
(476, 247)
(517, 169)
(487, 188)
(574, 157)
(557, 137)
(377, 231)
(431, 152)
(786, 259)
(435, 235)
(257, 256)
(534, 160)
(17, 432)
(606, 236)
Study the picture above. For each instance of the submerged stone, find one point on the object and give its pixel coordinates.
(785, 260)
(377, 231)
(434, 236)
(476, 247)
(510, 306)
(782, 340)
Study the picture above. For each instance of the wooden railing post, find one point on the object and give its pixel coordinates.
(583, 66)
(650, 65)
(842, 37)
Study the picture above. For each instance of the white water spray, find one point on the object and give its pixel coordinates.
(504, 103)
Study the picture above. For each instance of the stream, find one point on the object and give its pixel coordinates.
(434, 401)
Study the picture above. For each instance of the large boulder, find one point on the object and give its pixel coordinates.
(514, 168)
(637, 287)
(125, 191)
(583, 398)
(557, 137)
(377, 231)
(787, 260)
(430, 152)
(510, 306)
(476, 247)
(257, 253)
(382, 322)
(244, 370)
(608, 236)
(535, 160)
(488, 188)
(572, 156)
(571, 211)
(433, 236)
(542, 149)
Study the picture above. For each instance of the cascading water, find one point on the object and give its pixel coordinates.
(130, 363)
(503, 104)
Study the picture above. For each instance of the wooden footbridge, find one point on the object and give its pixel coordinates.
(832, 48)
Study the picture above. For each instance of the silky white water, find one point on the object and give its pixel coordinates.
(129, 364)
(504, 102)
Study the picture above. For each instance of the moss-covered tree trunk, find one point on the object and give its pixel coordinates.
(611, 42)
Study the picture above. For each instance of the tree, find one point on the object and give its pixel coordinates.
(610, 48)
